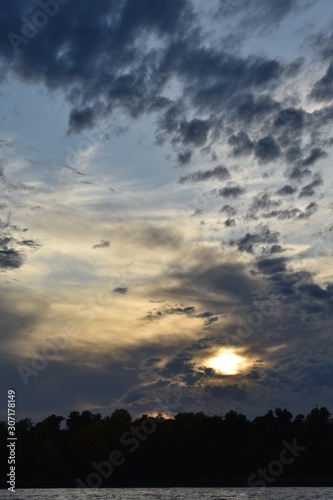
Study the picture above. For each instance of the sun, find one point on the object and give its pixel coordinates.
(226, 362)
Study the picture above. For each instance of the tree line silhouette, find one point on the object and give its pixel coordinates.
(191, 449)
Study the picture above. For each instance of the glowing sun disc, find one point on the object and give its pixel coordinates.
(226, 362)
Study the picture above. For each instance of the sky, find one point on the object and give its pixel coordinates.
(166, 206)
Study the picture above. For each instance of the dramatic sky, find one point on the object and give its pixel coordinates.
(166, 205)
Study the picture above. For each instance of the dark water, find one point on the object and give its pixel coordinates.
(172, 494)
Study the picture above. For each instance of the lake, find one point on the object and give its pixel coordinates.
(171, 494)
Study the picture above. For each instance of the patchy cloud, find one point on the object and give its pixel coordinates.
(267, 149)
(309, 189)
(231, 191)
(220, 173)
(286, 190)
(248, 242)
(102, 244)
(122, 290)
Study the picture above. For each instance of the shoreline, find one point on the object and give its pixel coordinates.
(64, 483)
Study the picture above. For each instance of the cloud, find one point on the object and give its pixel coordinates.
(288, 213)
(241, 144)
(10, 259)
(12, 256)
(133, 76)
(122, 290)
(290, 117)
(309, 210)
(297, 173)
(272, 265)
(231, 191)
(169, 311)
(184, 157)
(102, 244)
(309, 190)
(286, 190)
(258, 14)
(229, 210)
(323, 88)
(266, 149)
(248, 242)
(181, 310)
(248, 108)
(194, 132)
(229, 222)
(262, 201)
(220, 173)
(314, 156)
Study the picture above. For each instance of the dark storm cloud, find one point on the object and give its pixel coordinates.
(115, 67)
(287, 190)
(229, 222)
(80, 119)
(167, 311)
(231, 191)
(181, 310)
(301, 169)
(266, 149)
(12, 255)
(293, 153)
(214, 78)
(272, 265)
(314, 156)
(288, 213)
(248, 242)
(220, 173)
(55, 54)
(275, 249)
(10, 259)
(194, 132)
(316, 292)
(323, 88)
(309, 189)
(206, 314)
(29, 243)
(122, 290)
(210, 284)
(291, 117)
(261, 202)
(297, 173)
(241, 144)
(188, 311)
(247, 108)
